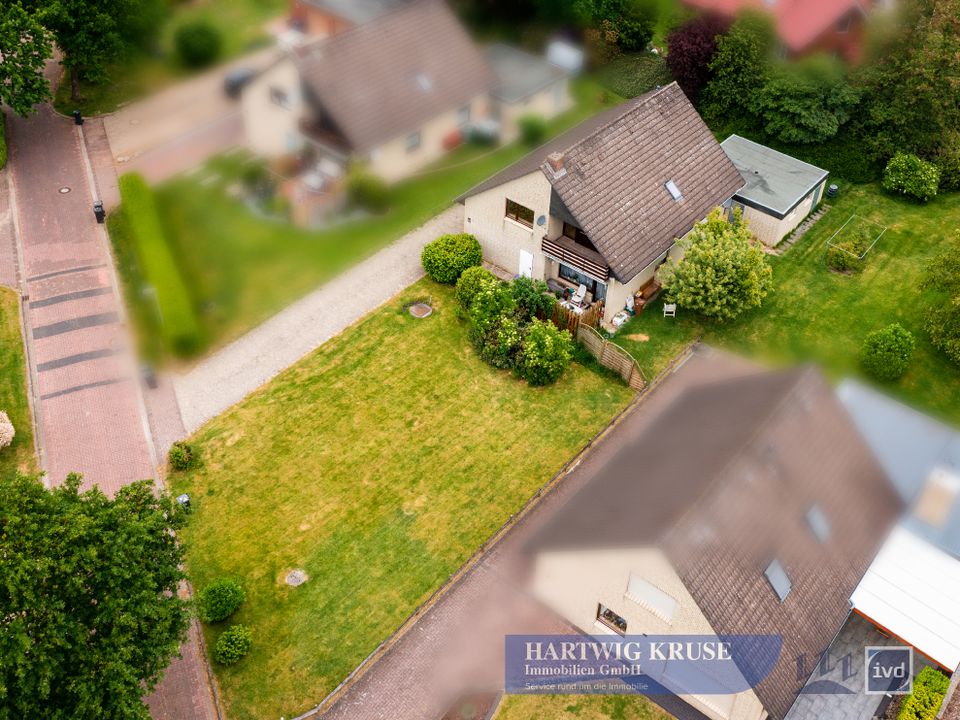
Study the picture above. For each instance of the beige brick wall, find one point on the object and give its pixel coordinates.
(770, 230)
(547, 103)
(273, 130)
(574, 582)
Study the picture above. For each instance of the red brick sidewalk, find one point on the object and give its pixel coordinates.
(85, 396)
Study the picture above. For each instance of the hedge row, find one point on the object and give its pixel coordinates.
(3, 140)
(178, 322)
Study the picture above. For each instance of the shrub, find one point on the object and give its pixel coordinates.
(691, 47)
(491, 303)
(501, 343)
(723, 271)
(636, 26)
(198, 43)
(257, 179)
(886, 353)
(533, 129)
(929, 688)
(233, 644)
(7, 431)
(182, 456)
(533, 298)
(845, 256)
(943, 314)
(368, 191)
(178, 323)
(948, 160)
(472, 281)
(909, 175)
(448, 256)
(219, 600)
(3, 140)
(544, 354)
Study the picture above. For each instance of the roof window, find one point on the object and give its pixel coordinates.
(673, 190)
(778, 579)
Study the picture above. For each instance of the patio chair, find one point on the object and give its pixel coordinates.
(670, 310)
(579, 295)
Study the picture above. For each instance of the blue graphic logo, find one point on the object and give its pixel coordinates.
(888, 670)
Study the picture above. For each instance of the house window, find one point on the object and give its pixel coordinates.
(597, 290)
(413, 141)
(778, 579)
(577, 235)
(673, 190)
(651, 597)
(818, 523)
(463, 115)
(519, 213)
(606, 616)
(279, 96)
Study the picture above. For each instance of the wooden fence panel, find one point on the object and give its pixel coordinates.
(612, 356)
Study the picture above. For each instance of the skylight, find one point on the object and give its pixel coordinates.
(424, 82)
(778, 579)
(673, 190)
(818, 523)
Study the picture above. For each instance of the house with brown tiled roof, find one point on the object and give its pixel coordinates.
(748, 506)
(604, 205)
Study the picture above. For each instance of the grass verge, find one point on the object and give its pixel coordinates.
(378, 465)
(581, 707)
(13, 388)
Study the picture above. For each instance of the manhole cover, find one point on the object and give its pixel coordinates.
(420, 310)
(296, 577)
(64, 190)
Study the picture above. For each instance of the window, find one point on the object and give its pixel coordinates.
(673, 190)
(651, 597)
(278, 96)
(778, 579)
(424, 81)
(818, 523)
(597, 290)
(519, 213)
(463, 115)
(606, 616)
(413, 141)
(577, 235)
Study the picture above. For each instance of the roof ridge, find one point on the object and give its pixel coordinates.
(307, 51)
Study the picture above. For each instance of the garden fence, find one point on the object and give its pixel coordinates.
(612, 356)
(566, 319)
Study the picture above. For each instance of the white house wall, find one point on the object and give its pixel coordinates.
(547, 103)
(573, 582)
(273, 130)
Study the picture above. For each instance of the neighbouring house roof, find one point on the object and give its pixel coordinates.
(911, 448)
(799, 23)
(723, 481)
(386, 78)
(520, 74)
(356, 12)
(775, 182)
(616, 169)
(911, 590)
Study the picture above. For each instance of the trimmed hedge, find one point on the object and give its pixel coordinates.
(448, 256)
(886, 353)
(219, 600)
(233, 644)
(178, 322)
(3, 140)
(929, 688)
(472, 281)
(198, 43)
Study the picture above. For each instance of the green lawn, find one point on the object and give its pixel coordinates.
(242, 269)
(379, 464)
(816, 315)
(578, 707)
(13, 388)
(632, 75)
(241, 24)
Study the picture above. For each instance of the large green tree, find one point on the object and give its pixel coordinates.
(89, 612)
(739, 68)
(723, 271)
(943, 314)
(25, 46)
(808, 101)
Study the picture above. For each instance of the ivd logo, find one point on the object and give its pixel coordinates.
(888, 670)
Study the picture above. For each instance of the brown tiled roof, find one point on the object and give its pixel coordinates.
(386, 78)
(615, 180)
(616, 166)
(722, 481)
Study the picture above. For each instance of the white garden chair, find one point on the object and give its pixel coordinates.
(579, 295)
(670, 310)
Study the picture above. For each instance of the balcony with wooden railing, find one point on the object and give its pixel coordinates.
(584, 259)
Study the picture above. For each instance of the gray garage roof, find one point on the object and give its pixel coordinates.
(520, 74)
(776, 182)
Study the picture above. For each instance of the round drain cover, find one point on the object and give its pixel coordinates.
(64, 190)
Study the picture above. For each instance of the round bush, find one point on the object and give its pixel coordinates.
(369, 192)
(182, 456)
(219, 600)
(886, 353)
(448, 256)
(471, 281)
(545, 353)
(844, 258)
(7, 431)
(533, 129)
(233, 644)
(909, 175)
(198, 43)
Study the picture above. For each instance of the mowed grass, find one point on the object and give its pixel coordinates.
(379, 464)
(819, 316)
(13, 389)
(241, 269)
(242, 28)
(579, 707)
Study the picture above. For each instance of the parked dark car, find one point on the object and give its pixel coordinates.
(236, 80)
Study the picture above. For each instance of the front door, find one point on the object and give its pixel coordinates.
(526, 264)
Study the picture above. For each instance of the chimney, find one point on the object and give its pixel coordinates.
(556, 161)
